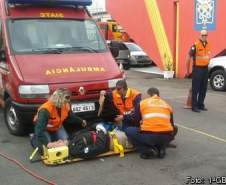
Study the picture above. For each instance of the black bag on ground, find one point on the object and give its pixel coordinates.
(88, 144)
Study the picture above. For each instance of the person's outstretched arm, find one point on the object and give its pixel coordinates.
(74, 119)
(40, 127)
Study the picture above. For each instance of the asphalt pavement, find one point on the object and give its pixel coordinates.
(198, 159)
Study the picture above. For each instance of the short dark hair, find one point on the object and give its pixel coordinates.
(153, 91)
(122, 83)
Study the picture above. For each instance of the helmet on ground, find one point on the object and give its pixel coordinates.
(100, 127)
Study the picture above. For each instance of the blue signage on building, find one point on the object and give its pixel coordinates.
(205, 15)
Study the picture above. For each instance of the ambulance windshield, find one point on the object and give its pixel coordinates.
(53, 35)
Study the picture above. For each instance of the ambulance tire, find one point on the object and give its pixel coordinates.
(14, 124)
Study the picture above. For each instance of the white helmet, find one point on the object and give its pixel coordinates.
(100, 127)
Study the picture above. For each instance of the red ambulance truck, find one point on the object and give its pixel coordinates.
(46, 45)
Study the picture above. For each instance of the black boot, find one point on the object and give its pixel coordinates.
(161, 152)
(150, 153)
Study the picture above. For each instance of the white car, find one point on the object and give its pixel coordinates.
(137, 55)
(217, 73)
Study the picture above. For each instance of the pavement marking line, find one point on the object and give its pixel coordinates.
(202, 133)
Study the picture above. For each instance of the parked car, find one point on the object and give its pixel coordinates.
(120, 52)
(217, 73)
(137, 55)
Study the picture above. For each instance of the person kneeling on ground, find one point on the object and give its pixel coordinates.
(125, 100)
(156, 126)
(49, 120)
(108, 113)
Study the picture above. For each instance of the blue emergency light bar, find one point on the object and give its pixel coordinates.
(52, 2)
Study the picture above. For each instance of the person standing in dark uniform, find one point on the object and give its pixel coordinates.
(200, 54)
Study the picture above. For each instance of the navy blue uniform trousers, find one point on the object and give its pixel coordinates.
(144, 141)
(199, 86)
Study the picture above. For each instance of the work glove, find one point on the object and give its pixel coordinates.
(84, 123)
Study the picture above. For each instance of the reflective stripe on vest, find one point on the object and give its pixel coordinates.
(155, 115)
(202, 56)
(127, 106)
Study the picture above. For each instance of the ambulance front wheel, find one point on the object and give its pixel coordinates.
(14, 124)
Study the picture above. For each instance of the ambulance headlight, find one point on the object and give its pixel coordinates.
(112, 83)
(34, 91)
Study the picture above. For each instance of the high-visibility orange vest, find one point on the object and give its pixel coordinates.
(127, 105)
(155, 115)
(202, 54)
(55, 121)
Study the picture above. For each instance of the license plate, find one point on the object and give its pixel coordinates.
(83, 107)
